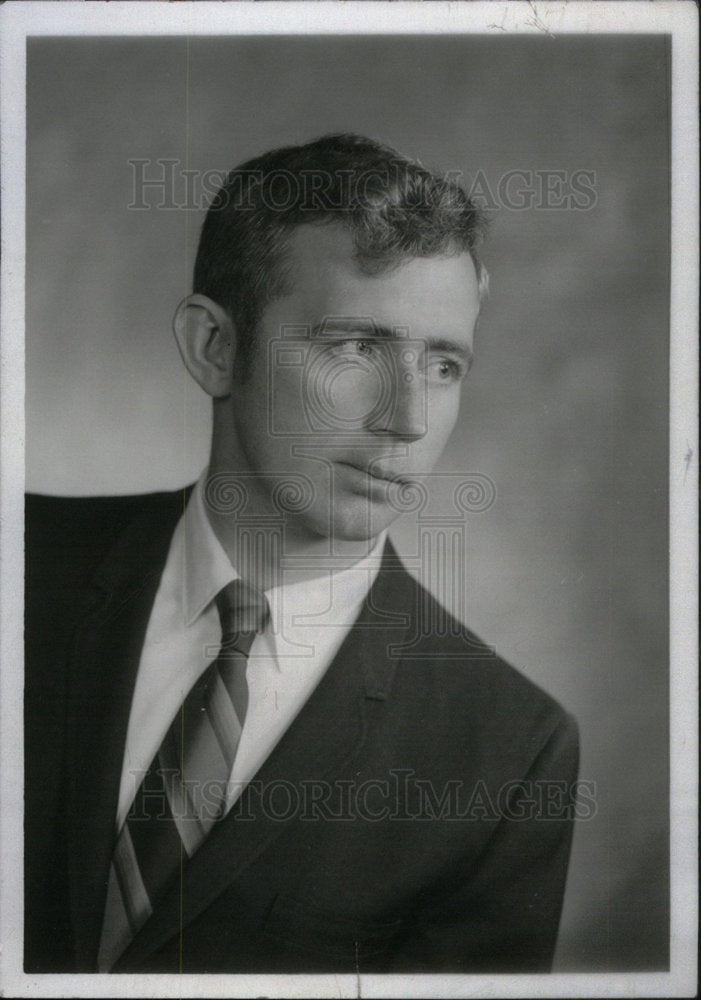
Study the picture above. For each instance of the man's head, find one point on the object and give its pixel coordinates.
(336, 293)
(393, 208)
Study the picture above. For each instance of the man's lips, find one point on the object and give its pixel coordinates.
(379, 473)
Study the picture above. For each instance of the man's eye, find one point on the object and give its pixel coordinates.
(446, 370)
(355, 346)
(363, 347)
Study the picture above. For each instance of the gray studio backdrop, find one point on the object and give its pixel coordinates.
(565, 410)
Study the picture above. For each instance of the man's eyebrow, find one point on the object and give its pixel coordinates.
(352, 324)
(368, 328)
(451, 347)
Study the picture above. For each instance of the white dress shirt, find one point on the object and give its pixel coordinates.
(308, 623)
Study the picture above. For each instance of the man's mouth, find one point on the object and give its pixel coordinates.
(381, 474)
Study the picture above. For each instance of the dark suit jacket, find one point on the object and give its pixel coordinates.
(415, 817)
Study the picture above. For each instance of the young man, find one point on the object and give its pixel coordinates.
(254, 743)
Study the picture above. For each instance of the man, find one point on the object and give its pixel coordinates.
(253, 742)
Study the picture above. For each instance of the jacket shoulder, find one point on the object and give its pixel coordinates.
(46, 512)
(66, 539)
(471, 682)
(57, 520)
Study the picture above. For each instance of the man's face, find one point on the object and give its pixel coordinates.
(354, 386)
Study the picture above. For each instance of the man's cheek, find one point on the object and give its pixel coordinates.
(442, 416)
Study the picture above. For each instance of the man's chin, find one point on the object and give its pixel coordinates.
(350, 519)
(357, 522)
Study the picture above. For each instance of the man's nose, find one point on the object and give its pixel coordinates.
(405, 414)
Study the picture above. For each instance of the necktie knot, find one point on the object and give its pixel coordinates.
(242, 609)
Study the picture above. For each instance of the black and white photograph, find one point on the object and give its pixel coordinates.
(349, 486)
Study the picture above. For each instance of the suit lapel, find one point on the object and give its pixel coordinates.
(328, 732)
(103, 664)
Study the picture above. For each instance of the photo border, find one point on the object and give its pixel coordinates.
(677, 19)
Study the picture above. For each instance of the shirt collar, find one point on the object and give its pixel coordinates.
(328, 600)
(207, 566)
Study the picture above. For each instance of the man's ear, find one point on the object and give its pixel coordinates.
(206, 340)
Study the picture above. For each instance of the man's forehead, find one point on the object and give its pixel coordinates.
(321, 263)
(333, 243)
(331, 240)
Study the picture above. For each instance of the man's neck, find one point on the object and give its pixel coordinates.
(268, 554)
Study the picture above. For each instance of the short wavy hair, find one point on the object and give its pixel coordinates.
(395, 209)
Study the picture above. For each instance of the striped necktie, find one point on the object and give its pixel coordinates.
(184, 791)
